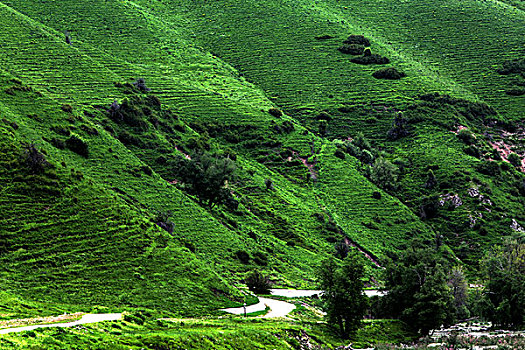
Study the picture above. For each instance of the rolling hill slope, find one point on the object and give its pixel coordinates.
(215, 70)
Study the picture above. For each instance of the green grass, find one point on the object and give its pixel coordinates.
(82, 234)
(139, 332)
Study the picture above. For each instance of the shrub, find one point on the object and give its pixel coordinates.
(339, 154)
(206, 176)
(67, 108)
(77, 145)
(162, 219)
(398, 129)
(512, 67)
(384, 173)
(357, 40)
(431, 180)
(324, 116)
(388, 73)
(323, 37)
(258, 283)
(35, 160)
(341, 250)
(260, 259)
(514, 159)
(58, 143)
(472, 151)
(67, 37)
(429, 207)
(488, 168)
(140, 84)
(352, 49)
(372, 59)
(243, 256)
(515, 92)
(466, 136)
(275, 112)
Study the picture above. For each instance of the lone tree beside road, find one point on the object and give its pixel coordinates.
(344, 301)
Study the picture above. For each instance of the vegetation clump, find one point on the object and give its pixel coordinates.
(258, 283)
(512, 67)
(207, 176)
(418, 290)
(276, 112)
(343, 299)
(357, 40)
(140, 84)
(352, 49)
(388, 73)
(504, 296)
(370, 59)
(76, 144)
(35, 159)
(399, 127)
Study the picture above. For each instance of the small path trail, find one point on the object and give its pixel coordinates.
(87, 318)
(277, 308)
(280, 308)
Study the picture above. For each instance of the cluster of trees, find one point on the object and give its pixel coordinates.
(426, 290)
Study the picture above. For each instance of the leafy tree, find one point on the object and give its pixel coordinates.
(417, 289)
(459, 289)
(504, 293)
(344, 301)
(258, 283)
(431, 180)
(384, 173)
(399, 127)
(206, 176)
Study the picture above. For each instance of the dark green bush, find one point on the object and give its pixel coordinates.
(515, 92)
(35, 160)
(466, 136)
(140, 84)
(67, 108)
(489, 168)
(77, 145)
(399, 127)
(323, 37)
(357, 40)
(352, 49)
(258, 283)
(512, 67)
(372, 59)
(242, 256)
(275, 112)
(388, 73)
(260, 259)
(514, 159)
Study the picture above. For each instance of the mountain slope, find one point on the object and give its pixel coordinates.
(215, 70)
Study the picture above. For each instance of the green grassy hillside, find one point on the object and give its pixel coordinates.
(217, 76)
